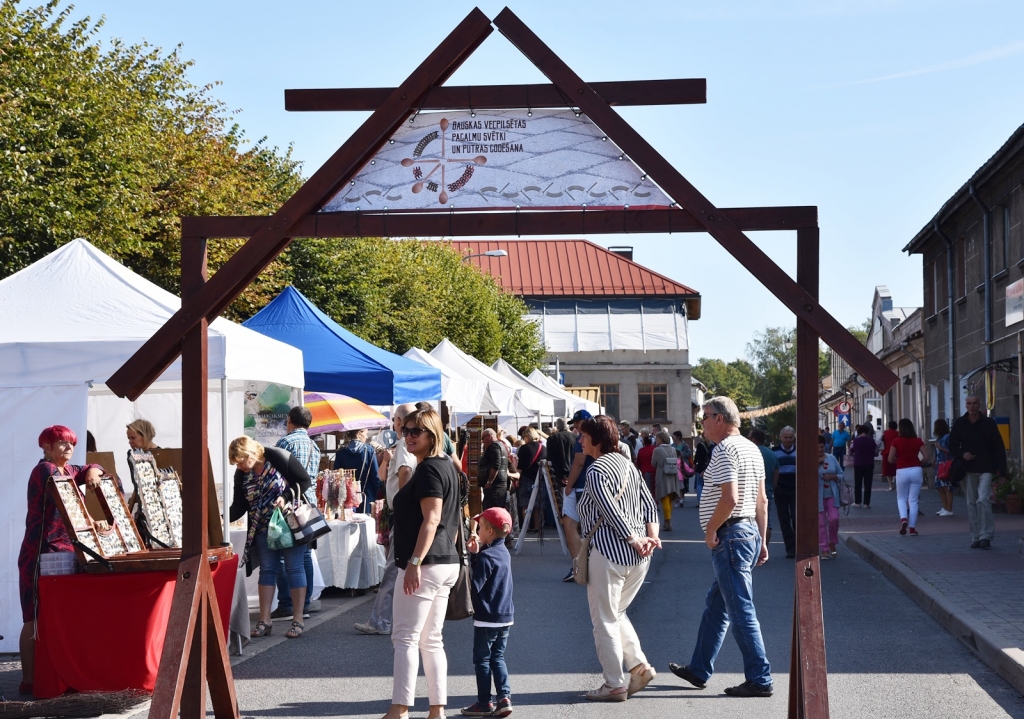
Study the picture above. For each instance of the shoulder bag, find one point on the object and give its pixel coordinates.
(460, 598)
(306, 522)
(581, 562)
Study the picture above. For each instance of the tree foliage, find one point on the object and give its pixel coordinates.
(402, 294)
(734, 379)
(113, 143)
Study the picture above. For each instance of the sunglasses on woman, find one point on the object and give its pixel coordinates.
(413, 432)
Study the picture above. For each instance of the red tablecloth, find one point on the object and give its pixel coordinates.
(105, 632)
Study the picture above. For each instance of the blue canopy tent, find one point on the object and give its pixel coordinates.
(337, 361)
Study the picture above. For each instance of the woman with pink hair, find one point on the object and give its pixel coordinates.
(44, 530)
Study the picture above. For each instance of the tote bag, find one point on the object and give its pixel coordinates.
(460, 599)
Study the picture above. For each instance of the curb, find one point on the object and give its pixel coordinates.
(1005, 659)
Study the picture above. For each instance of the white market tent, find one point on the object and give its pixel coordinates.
(511, 413)
(501, 387)
(574, 403)
(518, 379)
(463, 395)
(71, 320)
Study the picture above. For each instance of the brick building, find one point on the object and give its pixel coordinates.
(606, 321)
(972, 256)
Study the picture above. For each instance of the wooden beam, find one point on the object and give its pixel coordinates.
(527, 223)
(799, 301)
(808, 679)
(142, 369)
(501, 97)
(194, 654)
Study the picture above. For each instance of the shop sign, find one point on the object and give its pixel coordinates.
(1015, 302)
(266, 410)
(498, 160)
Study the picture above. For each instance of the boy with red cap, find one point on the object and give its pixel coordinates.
(491, 567)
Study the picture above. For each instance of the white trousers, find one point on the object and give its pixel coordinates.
(416, 630)
(908, 492)
(611, 588)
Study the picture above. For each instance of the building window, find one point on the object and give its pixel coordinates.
(652, 402)
(610, 399)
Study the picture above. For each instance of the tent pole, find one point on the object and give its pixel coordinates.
(226, 493)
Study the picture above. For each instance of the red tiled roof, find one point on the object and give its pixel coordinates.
(573, 268)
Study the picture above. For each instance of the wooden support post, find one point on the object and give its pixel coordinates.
(194, 652)
(808, 684)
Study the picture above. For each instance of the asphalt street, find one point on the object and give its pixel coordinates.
(886, 656)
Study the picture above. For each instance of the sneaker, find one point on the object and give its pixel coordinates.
(570, 577)
(903, 526)
(939, 513)
(368, 628)
(683, 672)
(976, 544)
(945, 513)
(479, 709)
(986, 544)
(503, 708)
(749, 689)
(913, 531)
(605, 693)
(281, 613)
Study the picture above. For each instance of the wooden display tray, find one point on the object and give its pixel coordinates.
(153, 560)
(112, 508)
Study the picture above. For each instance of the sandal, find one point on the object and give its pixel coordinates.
(296, 630)
(263, 629)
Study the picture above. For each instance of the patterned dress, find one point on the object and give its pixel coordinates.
(44, 533)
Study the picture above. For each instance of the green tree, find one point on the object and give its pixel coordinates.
(734, 379)
(409, 293)
(113, 143)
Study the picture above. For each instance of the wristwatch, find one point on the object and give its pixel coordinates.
(415, 561)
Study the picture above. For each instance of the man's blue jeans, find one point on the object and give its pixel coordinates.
(840, 454)
(284, 596)
(489, 660)
(731, 601)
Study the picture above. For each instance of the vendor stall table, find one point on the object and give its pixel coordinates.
(349, 556)
(83, 643)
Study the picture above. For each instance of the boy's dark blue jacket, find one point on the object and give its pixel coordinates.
(492, 583)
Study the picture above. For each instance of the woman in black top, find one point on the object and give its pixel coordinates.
(426, 519)
(532, 456)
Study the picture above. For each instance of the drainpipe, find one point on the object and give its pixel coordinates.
(954, 386)
(920, 384)
(986, 216)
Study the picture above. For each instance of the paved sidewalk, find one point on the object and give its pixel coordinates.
(976, 594)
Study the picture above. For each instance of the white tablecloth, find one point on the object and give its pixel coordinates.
(349, 556)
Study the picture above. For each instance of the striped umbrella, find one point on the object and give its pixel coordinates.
(338, 413)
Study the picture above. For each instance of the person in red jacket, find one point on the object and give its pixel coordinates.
(906, 452)
(643, 460)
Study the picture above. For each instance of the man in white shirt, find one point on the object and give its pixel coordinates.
(395, 470)
(734, 517)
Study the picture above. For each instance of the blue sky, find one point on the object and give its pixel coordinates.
(876, 111)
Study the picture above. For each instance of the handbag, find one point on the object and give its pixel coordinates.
(845, 493)
(460, 598)
(942, 469)
(279, 535)
(581, 562)
(306, 522)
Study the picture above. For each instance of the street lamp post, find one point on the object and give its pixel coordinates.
(489, 253)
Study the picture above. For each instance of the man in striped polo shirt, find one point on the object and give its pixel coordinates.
(734, 517)
(785, 488)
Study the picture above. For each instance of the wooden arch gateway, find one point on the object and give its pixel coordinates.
(194, 652)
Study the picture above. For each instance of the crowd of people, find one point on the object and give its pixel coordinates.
(616, 488)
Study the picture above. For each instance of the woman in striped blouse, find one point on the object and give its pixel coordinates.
(620, 552)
